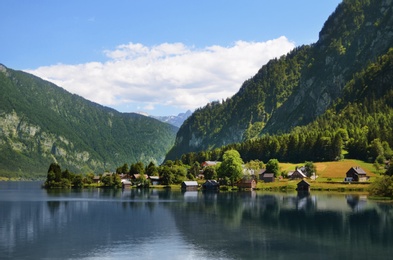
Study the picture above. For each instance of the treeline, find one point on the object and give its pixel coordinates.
(220, 123)
(56, 178)
(171, 172)
(361, 123)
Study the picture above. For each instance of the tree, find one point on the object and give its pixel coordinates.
(310, 169)
(387, 150)
(88, 178)
(123, 169)
(254, 164)
(210, 173)
(55, 168)
(151, 169)
(142, 181)
(78, 181)
(180, 174)
(66, 175)
(166, 175)
(107, 180)
(273, 167)
(382, 187)
(116, 181)
(231, 166)
(389, 171)
(137, 168)
(376, 150)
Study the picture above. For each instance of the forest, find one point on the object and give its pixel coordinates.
(358, 126)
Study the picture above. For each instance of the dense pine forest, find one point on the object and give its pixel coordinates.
(359, 123)
(317, 103)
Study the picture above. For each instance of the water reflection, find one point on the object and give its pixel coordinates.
(279, 225)
(151, 224)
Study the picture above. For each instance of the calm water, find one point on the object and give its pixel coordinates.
(156, 224)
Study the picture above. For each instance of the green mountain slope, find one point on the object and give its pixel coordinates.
(41, 123)
(297, 88)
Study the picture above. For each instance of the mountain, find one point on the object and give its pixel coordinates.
(41, 123)
(174, 120)
(298, 88)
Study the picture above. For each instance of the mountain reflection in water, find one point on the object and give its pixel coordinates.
(137, 224)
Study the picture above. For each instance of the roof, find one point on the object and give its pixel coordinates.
(303, 182)
(268, 175)
(124, 181)
(211, 183)
(300, 172)
(190, 183)
(209, 163)
(359, 170)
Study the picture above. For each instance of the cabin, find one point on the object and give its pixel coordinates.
(211, 185)
(125, 184)
(297, 174)
(247, 183)
(260, 173)
(303, 186)
(96, 179)
(155, 180)
(356, 174)
(189, 185)
(267, 177)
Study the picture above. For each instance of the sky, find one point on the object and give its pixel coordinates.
(161, 57)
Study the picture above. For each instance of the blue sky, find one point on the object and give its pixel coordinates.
(160, 57)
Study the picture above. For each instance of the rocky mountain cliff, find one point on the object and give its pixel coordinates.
(298, 87)
(41, 123)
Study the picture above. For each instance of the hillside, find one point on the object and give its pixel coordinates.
(41, 123)
(302, 86)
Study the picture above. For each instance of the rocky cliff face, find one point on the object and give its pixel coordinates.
(295, 89)
(41, 123)
(25, 138)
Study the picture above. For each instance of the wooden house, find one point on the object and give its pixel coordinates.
(155, 180)
(297, 174)
(189, 185)
(357, 174)
(247, 183)
(260, 173)
(303, 186)
(125, 183)
(96, 179)
(211, 185)
(267, 177)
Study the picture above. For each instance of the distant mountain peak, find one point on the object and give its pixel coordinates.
(171, 119)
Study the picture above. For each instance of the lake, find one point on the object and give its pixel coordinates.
(159, 224)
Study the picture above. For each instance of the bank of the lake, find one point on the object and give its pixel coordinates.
(314, 186)
(166, 223)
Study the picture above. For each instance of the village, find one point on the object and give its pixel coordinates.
(251, 180)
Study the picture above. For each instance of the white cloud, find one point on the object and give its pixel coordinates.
(172, 75)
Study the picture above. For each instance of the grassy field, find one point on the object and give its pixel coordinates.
(334, 171)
